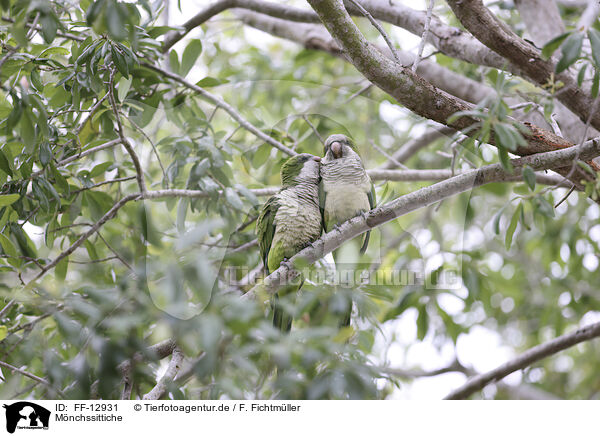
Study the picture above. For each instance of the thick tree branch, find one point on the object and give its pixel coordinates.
(544, 22)
(157, 351)
(418, 199)
(316, 37)
(413, 146)
(449, 40)
(414, 92)
(524, 360)
(495, 34)
(443, 174)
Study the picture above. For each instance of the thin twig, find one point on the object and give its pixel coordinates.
(423, 37)
(115, 252)
(136, 162)
(218, 101)
(162, 168)
(172, 370)
(314, 129)
(106, 182)
(365, 88)
(93, 111)
(375, 24)
(107, 216)
(27, 374)
(565, 197)
(391, 158)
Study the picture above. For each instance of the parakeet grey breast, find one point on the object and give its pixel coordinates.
(346, 184)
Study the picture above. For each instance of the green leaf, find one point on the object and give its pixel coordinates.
(60, 180)
(100, 169)
(513, 226)
(123, 87)
(422, 323)
(551, 46)
(174, 61)
(8, 247)
(209, 82)
(594, 37)
(190, 55)
(45, 154)
(496, 224)
(581, 74)
(40, 195)
(91, 249)
(234, 199)
(570, 51)
(529, 177)
(94, 11)
(19, 32)
(595, 83)
(61, 269)
(261, 155)
(6, 200)
(3, 332)
(544, 207)
(505, 159)
(4, 164)
(36, 80)
(115, 21)
(120, 62)
(49, 26)
(504, 136)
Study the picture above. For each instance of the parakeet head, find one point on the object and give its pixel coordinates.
(339, 146)
(300, 168)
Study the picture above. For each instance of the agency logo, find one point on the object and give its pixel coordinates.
(26, 415)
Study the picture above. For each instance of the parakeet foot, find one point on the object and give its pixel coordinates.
(286, 262)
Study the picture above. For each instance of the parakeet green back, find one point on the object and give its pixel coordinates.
(289, 221)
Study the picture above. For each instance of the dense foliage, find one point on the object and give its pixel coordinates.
(91, 272)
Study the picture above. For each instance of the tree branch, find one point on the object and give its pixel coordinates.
(411, 147)
(161, 387)
(495, 34)
(423, 36)
(418, 199)
(106, 217)
(219, 102)
(316, 37)
(410, 175)
(136, 162)
(412, 91)
(30, 375)
(385, 36)
(449, 40)
(527, 358)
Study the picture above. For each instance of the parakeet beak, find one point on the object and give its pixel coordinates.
(336, 149)
(317, 158)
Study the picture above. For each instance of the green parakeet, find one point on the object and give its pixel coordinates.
(290, 221)
(345, 191)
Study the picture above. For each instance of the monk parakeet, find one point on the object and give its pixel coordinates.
(345, 191)
(290, 221)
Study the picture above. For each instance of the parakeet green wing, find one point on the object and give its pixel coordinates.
(372, 202)
(265, 229)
